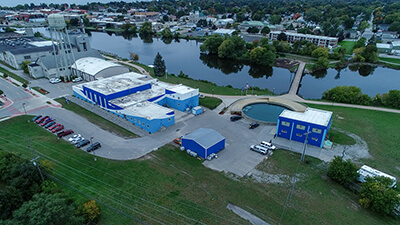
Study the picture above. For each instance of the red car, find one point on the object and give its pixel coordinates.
(54, 126)
(58, 128)
(41, 119)
(46, 122)
(65, 133)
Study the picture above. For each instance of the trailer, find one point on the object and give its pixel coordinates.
(366, 171)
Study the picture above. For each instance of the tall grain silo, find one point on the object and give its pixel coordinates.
(62, 48)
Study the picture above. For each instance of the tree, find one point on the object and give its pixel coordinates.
(10, 200)
(377, 196)
(227, 49)
(166, 33)
(321, 64)
(360, 43)
(341, 171)
(282, 37)
(363, 25)
(24, 66)
(211, 44)
(275, 19)
(263, 56)
(90, 211)
(74, 22)
(146, 29)
(348, 23)
(265, 30)
(320, 52)
(46, 209)
(159, 66)
(253, 30)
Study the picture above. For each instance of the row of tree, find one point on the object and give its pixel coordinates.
(375, 193)
(353, 95)
(28, 199)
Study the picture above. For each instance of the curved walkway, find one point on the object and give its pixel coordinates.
(141, 69)
(238, 105)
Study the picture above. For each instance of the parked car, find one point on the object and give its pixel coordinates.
(65, 133)
(54, 126)
(235, 117)
(268, 145)
(46, 121)
(49, 124)
(77, 79)
(54, 80)
(253, 125)
(93, 147)
(77, 140)
(259, 149)
(178, 141)
(41, 119)
(58, 129)
(36, 117)
(211, 156)
(74, 137)
(82, 143)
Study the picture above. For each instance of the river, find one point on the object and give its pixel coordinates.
(185, 56)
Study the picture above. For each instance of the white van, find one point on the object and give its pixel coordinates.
(268, 145)
(366, 171)
(259, 149)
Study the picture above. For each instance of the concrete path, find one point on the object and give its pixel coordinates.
(141, 70)
(246, 215)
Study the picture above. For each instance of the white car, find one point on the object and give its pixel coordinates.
(77, 79)
(73, 138)
(268, 145)
(55, 80)
(77, 140)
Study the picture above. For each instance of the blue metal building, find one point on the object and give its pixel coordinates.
(145, 102)
(295, 125)
(204, 142)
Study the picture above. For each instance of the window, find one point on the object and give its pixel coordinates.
(147, 126)
(300, 127)
(286, 124)
(134, 120)
(179, 97)
(315, 130)
(299, 135)
(314, 139)
(284, 131)
(169, 119)
(143, 124)
(27, 57)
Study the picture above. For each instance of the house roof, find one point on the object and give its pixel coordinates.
(205, 137)
(311, 115)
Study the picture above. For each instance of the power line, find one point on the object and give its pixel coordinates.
(135, 184)
(100, 181)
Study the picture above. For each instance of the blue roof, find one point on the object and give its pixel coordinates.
(205, 137)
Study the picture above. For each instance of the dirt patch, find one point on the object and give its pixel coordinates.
(286, 63)
(354, 152)
(263, 177)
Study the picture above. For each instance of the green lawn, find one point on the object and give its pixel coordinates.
(392, 60)
(348, 45)
(96, 119)
(211, 88)
(13, 75)
(43, 92)
(171, 187)
(378, 129)
(210, 102)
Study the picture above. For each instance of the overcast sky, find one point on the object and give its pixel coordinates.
(12, 3)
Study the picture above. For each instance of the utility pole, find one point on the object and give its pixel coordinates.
(34, 158)
(305, 146)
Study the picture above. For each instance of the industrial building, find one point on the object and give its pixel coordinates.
(321, 41)
(91, 68)
(296, 126)
(204, 142)
(144, 101)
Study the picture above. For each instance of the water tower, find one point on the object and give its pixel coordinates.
(62, 48)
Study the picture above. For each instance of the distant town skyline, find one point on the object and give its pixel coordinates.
(13, 3)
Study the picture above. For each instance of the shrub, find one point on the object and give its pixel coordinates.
(24, 85)
(346, 94)
(342, 171)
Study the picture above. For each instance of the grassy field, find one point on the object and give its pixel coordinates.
(211, 88)
(348, 45)
(210, 102)
(169, 186)
(98, 120)
(392, 60)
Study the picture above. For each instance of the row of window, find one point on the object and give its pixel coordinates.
(301, 127)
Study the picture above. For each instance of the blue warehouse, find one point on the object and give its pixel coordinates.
(204, 142)
(295, 125)
(144, 101)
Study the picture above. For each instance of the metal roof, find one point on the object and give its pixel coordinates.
(92, 65)
(311, 115)
(205, 137)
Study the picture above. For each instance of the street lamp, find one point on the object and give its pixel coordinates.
(23, 105)
(305, 146)
(212, 93)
